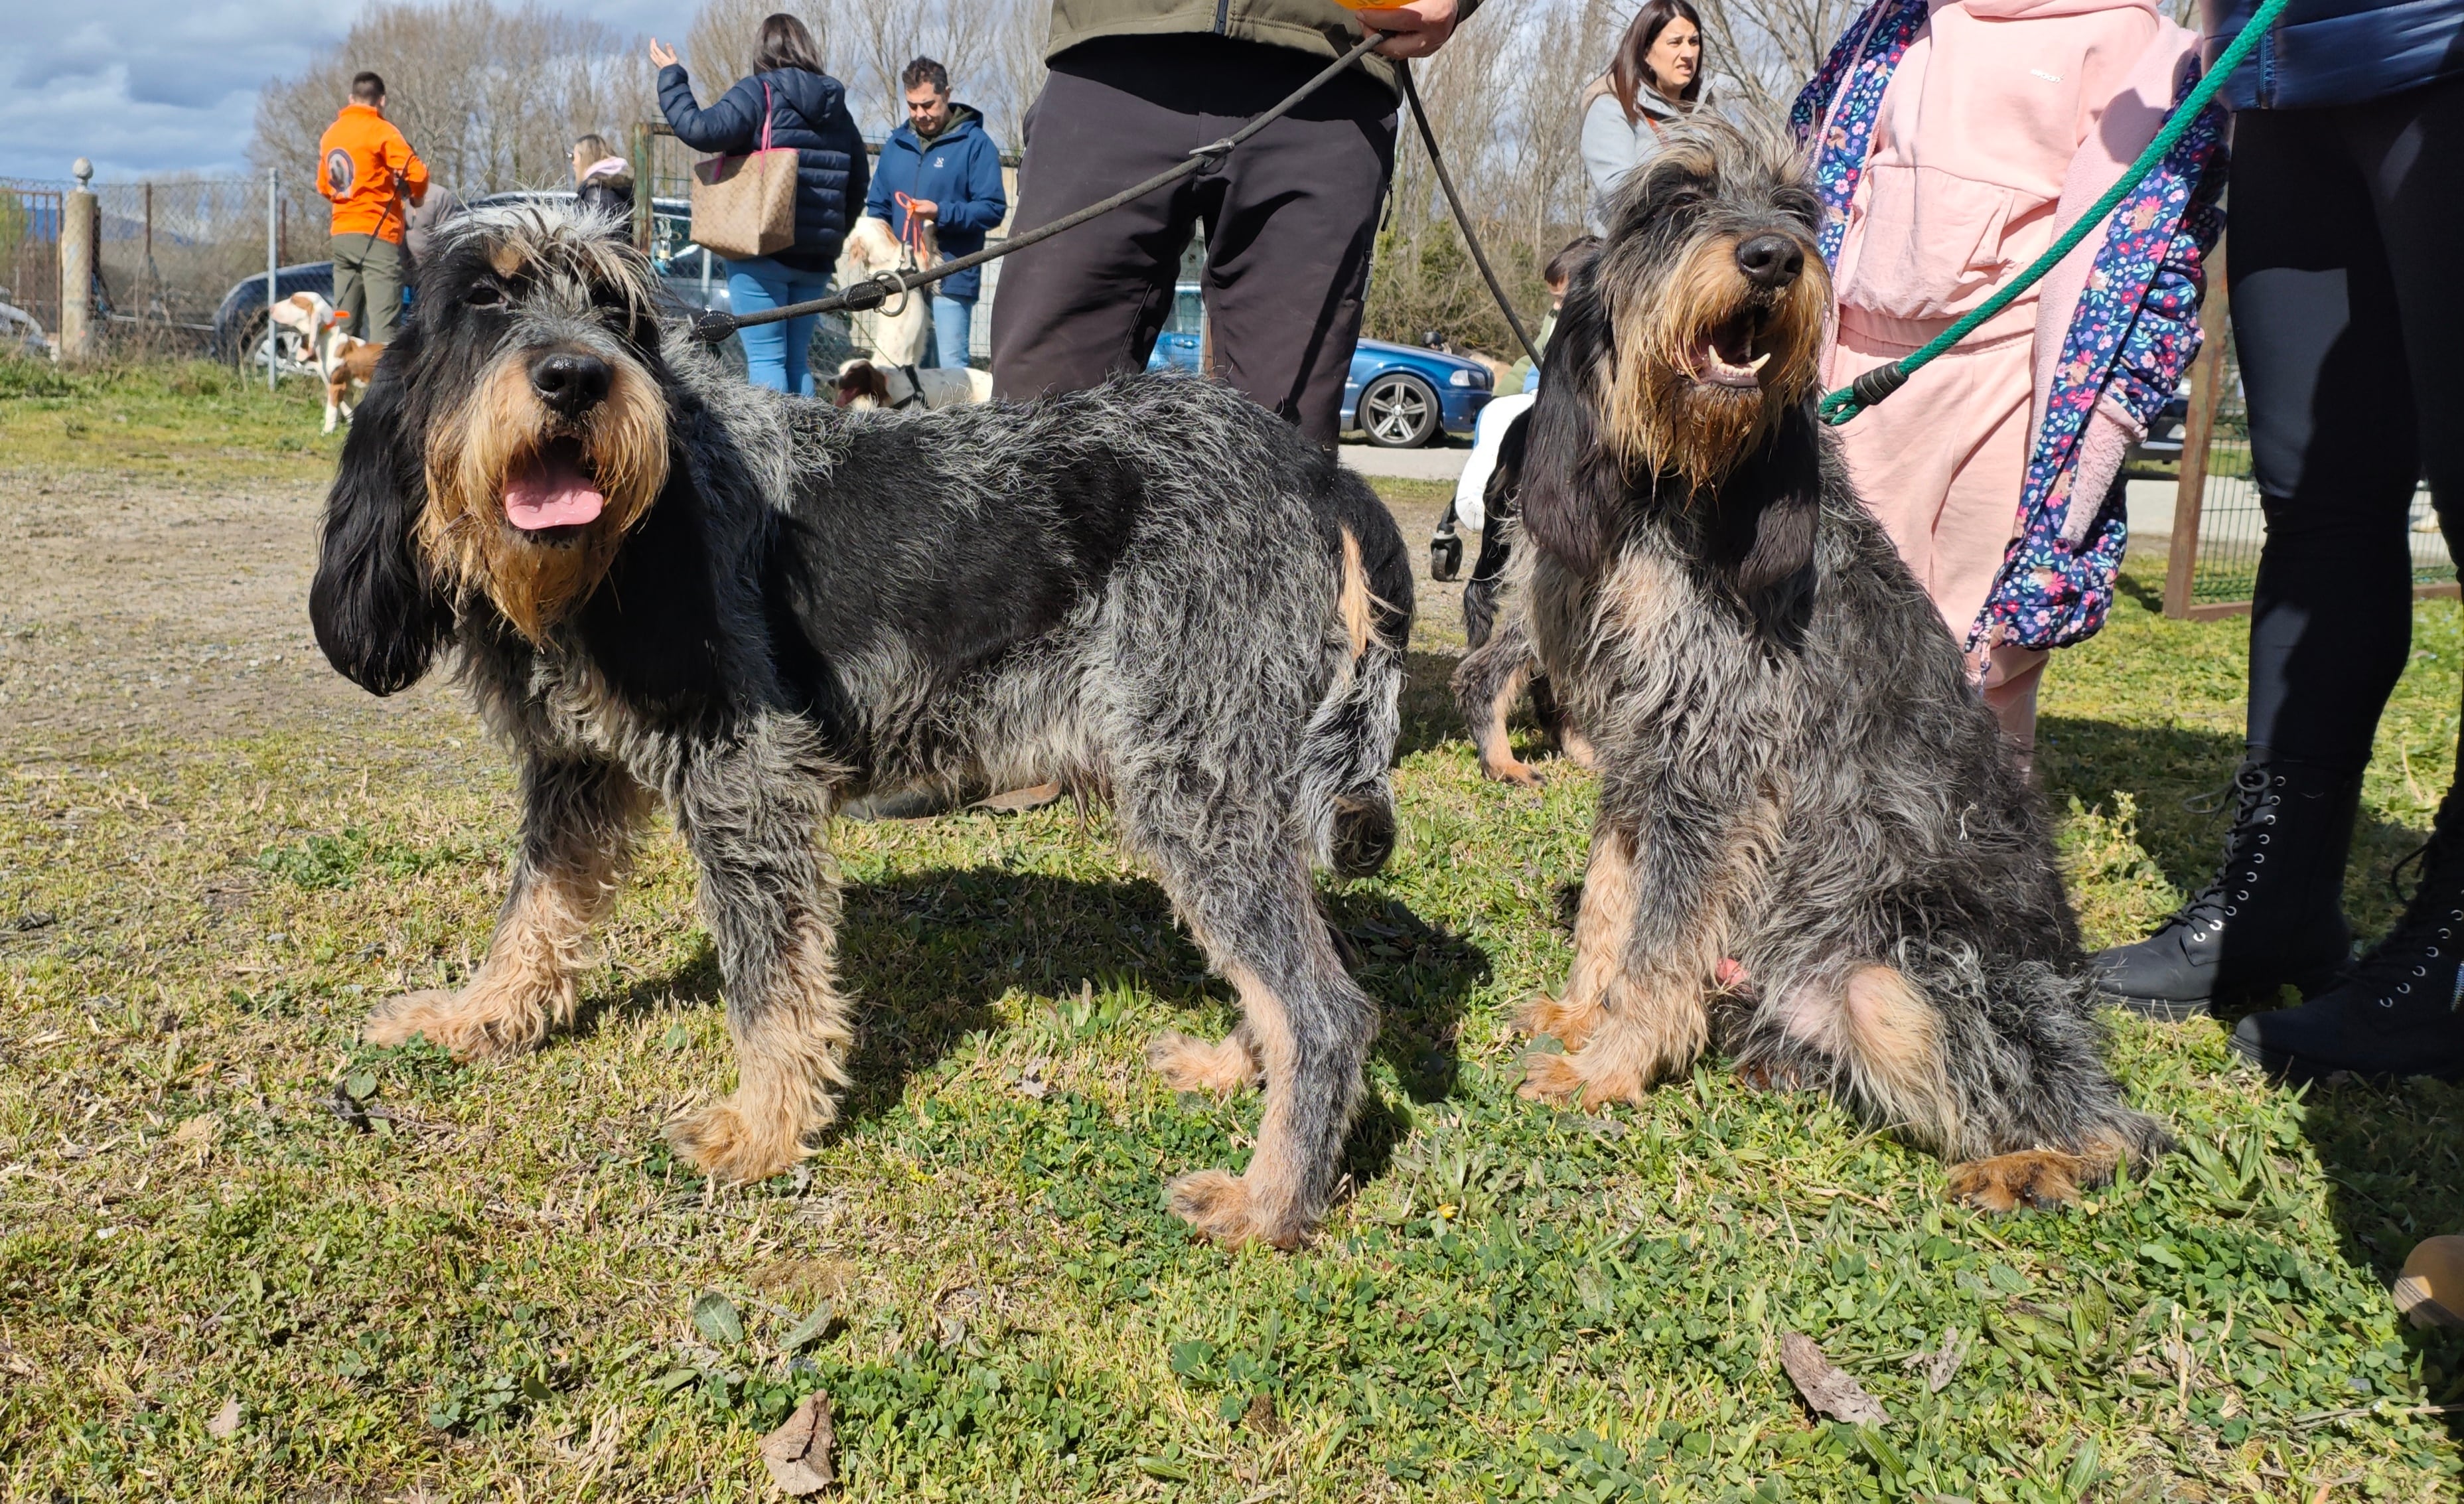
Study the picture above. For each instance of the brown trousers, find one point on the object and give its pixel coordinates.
(1290, 218)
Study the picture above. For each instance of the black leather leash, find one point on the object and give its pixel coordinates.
(879, 288)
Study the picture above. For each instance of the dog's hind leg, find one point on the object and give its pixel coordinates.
(578, 821)
(1485, 684)
(769, 893)
(1306, 1025)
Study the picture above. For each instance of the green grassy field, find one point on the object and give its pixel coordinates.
(243, 1257)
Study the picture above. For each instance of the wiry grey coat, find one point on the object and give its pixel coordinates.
(1154, 591)
(1811, 842)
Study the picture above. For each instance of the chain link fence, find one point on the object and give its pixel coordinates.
(30, 262)
(169, 250)
(2219, 527)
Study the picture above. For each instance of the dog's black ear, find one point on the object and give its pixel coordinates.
(1574, 490)
(1777, 492)
(378, 614)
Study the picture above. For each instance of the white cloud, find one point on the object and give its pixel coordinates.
(154, 86)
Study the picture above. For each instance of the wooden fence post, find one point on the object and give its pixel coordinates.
(80, 227)
(2198, 429)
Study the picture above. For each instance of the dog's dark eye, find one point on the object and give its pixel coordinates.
(484, 295)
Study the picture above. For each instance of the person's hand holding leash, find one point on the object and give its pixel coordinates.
(923, 209)
(1413, 29)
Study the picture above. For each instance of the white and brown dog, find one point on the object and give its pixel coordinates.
(901, 329)
(863, 384)
(345, 359)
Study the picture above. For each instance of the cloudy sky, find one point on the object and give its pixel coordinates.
(146, 86)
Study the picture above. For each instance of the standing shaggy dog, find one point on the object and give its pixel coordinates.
(1809, 839)
(665, 584)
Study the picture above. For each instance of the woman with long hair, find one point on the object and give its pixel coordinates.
(805, 108)
(1653, 82)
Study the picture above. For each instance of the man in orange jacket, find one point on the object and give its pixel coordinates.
(370, 173)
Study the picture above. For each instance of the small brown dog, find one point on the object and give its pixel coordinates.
(345, 361)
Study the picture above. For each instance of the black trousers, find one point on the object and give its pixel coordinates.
(2344, 255)
(1290, 216)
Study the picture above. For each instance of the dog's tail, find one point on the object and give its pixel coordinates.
(1346, 789)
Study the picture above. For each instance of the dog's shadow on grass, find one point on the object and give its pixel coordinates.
(925, 954)
(1428, 703)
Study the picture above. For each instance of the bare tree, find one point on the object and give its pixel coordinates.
(718, 47)
(490, 97)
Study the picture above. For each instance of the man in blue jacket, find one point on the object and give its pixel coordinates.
(950, 173)
(2345, 224)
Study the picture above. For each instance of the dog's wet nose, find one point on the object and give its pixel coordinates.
(1772, 260)
(570, 384)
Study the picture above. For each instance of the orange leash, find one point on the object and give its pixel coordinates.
(911, 231)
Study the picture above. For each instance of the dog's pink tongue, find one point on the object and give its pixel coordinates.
(551, 492)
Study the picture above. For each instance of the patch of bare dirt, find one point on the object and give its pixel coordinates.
(133, 612)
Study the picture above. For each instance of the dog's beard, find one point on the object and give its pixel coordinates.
(1704, 365)
(579, 486)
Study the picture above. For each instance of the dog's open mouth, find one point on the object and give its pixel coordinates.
(552, 488)
(1727, 356)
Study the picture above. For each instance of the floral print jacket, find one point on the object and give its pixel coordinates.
(2133, 334)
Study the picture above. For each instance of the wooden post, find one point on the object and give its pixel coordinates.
(80, 227)
(641, 154)
(2198, 429)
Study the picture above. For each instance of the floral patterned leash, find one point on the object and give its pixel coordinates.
(1881, 382)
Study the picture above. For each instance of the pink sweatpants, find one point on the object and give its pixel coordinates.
(1940, 465)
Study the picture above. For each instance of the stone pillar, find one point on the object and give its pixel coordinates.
(80, 227)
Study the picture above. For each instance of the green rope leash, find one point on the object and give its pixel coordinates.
(1881, 382)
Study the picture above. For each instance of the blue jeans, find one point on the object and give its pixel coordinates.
(774, 353)
(951, 318)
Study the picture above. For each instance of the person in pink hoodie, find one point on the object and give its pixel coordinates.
(1954, 141)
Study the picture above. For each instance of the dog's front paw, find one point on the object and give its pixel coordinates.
(1192, 1064)
(735, 1148)
(464, 1026)
(2037, 1178)
(1583, 1079)
(1570, 1023)
(1219, 1205)
(1510, 769)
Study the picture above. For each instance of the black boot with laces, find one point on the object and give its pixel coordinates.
(2272, 916)
(2396, 1013)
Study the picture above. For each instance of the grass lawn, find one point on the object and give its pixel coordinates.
(243, 1257)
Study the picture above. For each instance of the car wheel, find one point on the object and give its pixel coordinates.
(290, 353)
(1398, 411)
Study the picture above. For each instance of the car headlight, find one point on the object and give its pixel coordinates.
(1468, 377)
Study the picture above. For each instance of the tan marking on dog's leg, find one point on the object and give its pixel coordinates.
(1603, 921)
(791, 1063)
(1222, 1068)
(1892, 1040)
(1649, 1028)
(1497, 759)
(530, 980)
(1352, 598)
(1576, 748)
(1260, 1205)
(2036, 1178)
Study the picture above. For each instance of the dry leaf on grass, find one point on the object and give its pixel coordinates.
(798, 1453)
(1826, 1388)
(226, 1421)
(1942, 1362)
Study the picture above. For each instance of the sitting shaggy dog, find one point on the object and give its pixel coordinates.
(667, 586)
(1811, 840)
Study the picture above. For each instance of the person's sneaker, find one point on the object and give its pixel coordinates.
(2272, 917)
(2396, 1013)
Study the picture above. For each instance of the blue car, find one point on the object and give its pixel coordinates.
(1395, 396)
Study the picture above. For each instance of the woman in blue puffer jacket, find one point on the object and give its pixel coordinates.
(2343, 232)
(806, 109)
